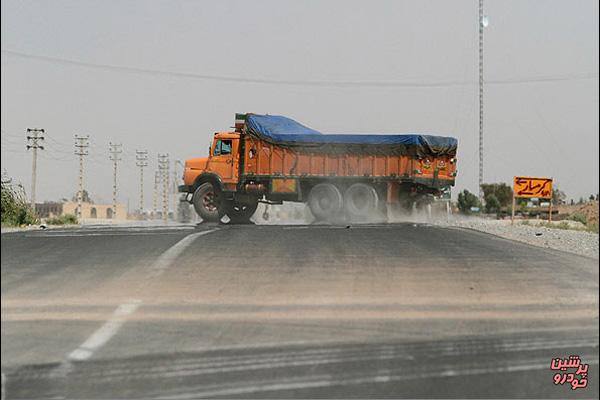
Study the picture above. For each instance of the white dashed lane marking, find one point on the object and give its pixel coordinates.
(103, 335)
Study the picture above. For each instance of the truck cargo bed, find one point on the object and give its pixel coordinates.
(279, 146)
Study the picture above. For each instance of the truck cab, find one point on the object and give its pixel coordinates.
(211, 182)
(222, 162)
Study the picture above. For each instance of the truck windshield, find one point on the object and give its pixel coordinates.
(222, 147)
(226, 147)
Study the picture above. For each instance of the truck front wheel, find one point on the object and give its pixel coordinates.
(207, 203)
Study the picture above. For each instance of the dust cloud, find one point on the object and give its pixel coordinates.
(290, 213)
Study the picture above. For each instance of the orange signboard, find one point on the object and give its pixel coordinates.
(525, 186)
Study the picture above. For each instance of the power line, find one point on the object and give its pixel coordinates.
(298, 82)
(47, 156)
(11, 143)
(64, 147)
(8, 140)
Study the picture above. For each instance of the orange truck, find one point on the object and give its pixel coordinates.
(342, 177)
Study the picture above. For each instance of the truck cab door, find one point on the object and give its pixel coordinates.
(222, 159)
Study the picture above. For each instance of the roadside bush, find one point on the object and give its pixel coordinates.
(15, 209)
(467, 200)
(66, 219)
(592, 227)
(590, 224)
(562, 225)
(578, 217)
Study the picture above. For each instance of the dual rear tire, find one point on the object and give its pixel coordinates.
(240, 213)
(325, 202)
(359, 203)
(362, 203)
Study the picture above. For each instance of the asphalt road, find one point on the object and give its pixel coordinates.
(401, 310)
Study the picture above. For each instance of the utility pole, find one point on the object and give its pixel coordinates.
(174, 181)
(115, 150)
(482, 24)
(177, 205)
(33, 137)
(141, 160)
(163, 166)
(81, 149)
(155, 194)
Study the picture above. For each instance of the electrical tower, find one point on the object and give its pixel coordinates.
(81, 149)
(163, 167)
(115, 151)
(141, 160)
(34, 136)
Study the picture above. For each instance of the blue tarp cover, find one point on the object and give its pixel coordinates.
(287, 132)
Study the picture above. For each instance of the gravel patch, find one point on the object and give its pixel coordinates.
(572, 241)
(11, 229)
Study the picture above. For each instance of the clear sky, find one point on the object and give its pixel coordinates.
(532, 127)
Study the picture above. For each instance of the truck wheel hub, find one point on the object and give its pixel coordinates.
(209, 201)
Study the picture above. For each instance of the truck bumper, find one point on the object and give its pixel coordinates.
(436, 183)
(184, 188)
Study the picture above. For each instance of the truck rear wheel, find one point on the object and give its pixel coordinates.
(325, 201)
(207, 203)
(240, 213)
(361, 202)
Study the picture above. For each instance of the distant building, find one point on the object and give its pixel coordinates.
(89, 211)
(49, 209)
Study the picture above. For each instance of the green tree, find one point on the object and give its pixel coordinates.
(501, 191)
(492, 204)
(15, 210)
(558, 196)
(467, 200)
